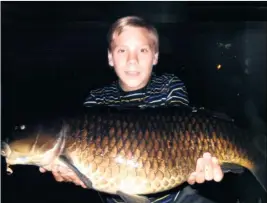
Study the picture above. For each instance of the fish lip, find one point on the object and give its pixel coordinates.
(5, 149)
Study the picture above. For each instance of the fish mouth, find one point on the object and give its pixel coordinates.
(5, 152)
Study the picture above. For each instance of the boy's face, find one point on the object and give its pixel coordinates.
(133, 56)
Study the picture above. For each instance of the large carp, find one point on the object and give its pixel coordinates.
(133, 153)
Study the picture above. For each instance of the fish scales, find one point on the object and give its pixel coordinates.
(149, 151)
(129, 150)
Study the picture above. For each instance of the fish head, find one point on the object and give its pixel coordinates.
(32, 146)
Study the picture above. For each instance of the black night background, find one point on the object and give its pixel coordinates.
(54, 53)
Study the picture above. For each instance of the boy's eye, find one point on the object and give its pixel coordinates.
(121, 50)
(144, 50)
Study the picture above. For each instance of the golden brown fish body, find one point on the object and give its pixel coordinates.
(136, 151)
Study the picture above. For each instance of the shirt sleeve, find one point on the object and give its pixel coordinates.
(90, 100)
(102, 96)
(177, 94)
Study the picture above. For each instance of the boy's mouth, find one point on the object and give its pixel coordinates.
(132, 73)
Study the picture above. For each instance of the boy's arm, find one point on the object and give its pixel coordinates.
(90, 100)
(177, 93)
(97, 97)
(102, 96)
(207, 167)
(64, 174)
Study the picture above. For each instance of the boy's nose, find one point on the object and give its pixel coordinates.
(132, 58)
(132, 61)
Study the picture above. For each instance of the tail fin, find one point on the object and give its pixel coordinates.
(261, 161)
(258, 129)
(255, 122)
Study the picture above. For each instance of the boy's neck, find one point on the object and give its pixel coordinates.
(130, 89)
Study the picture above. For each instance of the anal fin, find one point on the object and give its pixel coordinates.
(232, 168)
(127, 198)
(82, 177)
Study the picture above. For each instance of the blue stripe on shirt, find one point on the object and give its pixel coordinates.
(155, 94)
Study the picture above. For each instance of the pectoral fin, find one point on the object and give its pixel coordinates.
(82, 177)
(132, 198)
(233, 168)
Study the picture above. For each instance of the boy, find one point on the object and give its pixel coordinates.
(132, 52)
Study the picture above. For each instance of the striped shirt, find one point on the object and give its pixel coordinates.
(163, 90)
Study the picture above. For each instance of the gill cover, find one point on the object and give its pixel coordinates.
(37, 147)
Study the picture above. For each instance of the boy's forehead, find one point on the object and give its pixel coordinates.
(138, 29)
(128, 33)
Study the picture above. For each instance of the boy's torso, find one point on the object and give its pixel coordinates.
(154, 94)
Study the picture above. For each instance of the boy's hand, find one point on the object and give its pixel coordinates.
(207, 169)
(63, 174)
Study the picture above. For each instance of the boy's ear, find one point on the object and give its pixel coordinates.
(155, 59)
(110, 59)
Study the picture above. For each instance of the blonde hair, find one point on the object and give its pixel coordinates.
(132, 21)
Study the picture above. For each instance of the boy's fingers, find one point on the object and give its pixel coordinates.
(200, 175)
(192, 178)
(208, 167)
(217, 171)
(42, 170)
(57, 176)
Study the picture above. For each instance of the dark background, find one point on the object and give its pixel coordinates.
(54, 53)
